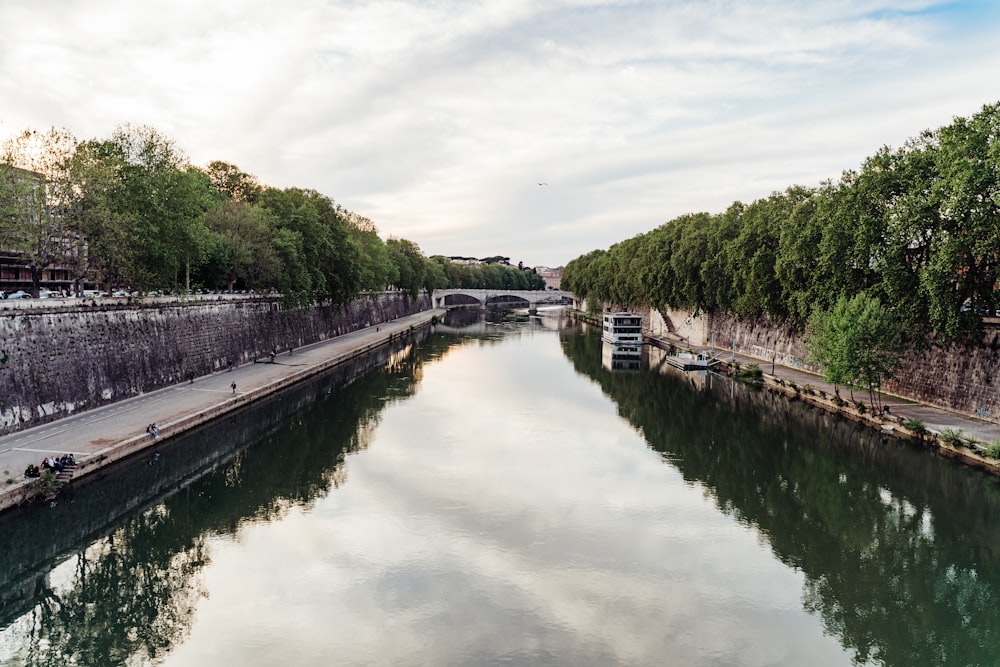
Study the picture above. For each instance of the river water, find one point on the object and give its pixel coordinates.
(493, 494)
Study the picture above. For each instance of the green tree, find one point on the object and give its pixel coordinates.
(858, 343)
(435, 276)
(376, 269)
(236, 184)
(965, 265)
(317, 229)
(109, 246)
(409, 261)
(168, 198)
(244, 245)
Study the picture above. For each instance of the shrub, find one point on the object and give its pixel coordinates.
(751, 374)
(952, 437)
(44, 485)
(993, 451)
(915, 426)
(861, 407)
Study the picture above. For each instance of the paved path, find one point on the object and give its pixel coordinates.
(936, 419)
(97, 437)
(104, 434)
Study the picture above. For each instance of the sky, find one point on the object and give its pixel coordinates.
(438, 119)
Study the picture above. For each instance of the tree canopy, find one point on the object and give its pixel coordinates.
(131, 210)
(916, 227)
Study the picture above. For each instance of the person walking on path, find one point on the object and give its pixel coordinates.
(233, 385)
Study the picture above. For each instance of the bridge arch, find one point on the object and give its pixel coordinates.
(447, 298)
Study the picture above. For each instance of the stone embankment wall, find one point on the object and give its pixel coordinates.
(61, 360)
(965, 379)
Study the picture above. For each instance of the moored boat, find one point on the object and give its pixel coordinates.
(622, 329)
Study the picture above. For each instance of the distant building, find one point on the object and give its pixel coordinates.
(552, 277)
(25, 190)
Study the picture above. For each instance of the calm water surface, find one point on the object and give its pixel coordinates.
(500, 498)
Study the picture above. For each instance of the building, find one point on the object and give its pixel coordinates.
(552, 277)
(24, 191)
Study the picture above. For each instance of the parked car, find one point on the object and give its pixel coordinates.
(93, 293)
(19, 294)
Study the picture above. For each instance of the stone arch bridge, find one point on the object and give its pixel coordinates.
(530, 299)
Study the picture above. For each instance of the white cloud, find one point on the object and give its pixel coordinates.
(437, 119)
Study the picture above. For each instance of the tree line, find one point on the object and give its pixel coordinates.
(916, 228)
(130, 210)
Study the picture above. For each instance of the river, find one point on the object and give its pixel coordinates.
(492, 494)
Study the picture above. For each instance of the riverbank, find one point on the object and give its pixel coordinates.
(947, 433)
(103, 436)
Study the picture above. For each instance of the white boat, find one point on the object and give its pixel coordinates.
(622, 329)
(688, 361)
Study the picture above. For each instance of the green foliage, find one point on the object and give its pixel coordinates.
(44, 485)
(858, 343)
(750, 374)
(131, 211)
(914, 227)
(952, 437)
(993, 450)
(915, 426)
(409, 263)
(244, 245)
(481, 276)
(376, 270)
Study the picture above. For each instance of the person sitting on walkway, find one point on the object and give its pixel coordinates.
(32, 471)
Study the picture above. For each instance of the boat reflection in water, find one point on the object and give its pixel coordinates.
(621, 335)
(621, 357)
(662, 362)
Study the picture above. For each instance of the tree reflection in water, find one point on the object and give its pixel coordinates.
(128, 597)
(900, 550)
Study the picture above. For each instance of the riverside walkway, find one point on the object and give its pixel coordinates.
(936, 419)
(112, 432)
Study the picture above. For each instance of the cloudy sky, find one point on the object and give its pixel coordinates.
(437, 119)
